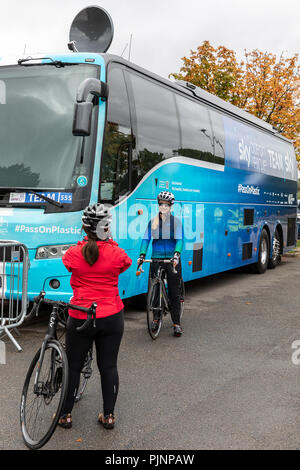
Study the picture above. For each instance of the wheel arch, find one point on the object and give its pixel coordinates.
(260, 266)
(278, 227)
(267, 229)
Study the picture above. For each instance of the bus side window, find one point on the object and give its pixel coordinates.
(196, 130)
(117, 140)
(157, 128)
(219, 137)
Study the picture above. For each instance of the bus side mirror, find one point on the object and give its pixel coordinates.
(82, 119)
(83, 108)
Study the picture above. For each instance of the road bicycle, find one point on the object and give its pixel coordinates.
(158, 301)
(46, 383)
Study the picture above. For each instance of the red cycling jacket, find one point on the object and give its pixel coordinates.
(97, 283)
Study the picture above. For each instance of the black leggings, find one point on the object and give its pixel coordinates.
(107, 336)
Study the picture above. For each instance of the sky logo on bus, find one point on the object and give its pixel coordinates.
(249, 189)
(245, 152)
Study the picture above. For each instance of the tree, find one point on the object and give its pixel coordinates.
(20, 175)
(261, 83)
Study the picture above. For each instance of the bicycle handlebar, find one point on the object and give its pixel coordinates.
(36, 303)
(91, 311)
(91, 316)
(154, 260)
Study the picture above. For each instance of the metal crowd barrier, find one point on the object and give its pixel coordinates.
(14, 265)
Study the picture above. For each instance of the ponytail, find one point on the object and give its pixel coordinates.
(90, 250)
(155, 222)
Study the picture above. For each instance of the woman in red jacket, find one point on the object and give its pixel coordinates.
(95, 264)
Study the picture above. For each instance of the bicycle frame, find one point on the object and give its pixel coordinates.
(159, 277)
(51, 334)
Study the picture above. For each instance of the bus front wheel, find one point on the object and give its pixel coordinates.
(263, 253)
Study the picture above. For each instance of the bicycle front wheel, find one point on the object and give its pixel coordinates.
(154, 309)
(42, 402)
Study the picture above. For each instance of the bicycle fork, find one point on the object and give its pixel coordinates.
(51, 335)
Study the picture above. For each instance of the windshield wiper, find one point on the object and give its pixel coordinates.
(46, 198)
(56, 63)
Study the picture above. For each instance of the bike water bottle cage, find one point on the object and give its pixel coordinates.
(166, 196)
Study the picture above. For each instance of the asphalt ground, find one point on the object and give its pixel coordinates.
(228, 383)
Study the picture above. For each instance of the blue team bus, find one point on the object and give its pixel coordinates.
(135, 134)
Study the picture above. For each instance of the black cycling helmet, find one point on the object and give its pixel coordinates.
(95, 217)
(166, 196)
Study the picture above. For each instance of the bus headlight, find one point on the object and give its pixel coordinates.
(51, 251)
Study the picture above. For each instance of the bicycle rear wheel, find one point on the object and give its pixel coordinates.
(155, 308)
(41, 403)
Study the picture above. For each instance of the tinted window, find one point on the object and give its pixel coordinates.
(157, 128)
(219, 136)
(117, 139)
(196, 131)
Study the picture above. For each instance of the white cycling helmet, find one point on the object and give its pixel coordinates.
(166, 196)
(96, 217)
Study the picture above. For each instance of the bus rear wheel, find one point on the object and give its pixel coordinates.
(276, 251)
(263, 253)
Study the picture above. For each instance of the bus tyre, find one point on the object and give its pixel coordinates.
(263, 253)
(276, 251)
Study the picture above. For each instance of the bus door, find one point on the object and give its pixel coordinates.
(224, 236)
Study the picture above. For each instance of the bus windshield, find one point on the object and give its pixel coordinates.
(37, 148)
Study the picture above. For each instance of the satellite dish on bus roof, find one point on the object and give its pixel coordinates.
(92, 30)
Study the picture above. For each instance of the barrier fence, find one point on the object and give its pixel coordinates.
(14, 265)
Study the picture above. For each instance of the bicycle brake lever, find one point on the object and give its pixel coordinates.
(36, 303)
(94, 306)
(39, 297)
(139, 270)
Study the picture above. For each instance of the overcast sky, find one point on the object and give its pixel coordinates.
(163, 31)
